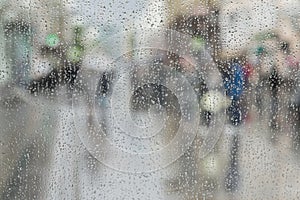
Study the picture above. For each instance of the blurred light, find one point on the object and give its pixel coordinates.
(52, 40)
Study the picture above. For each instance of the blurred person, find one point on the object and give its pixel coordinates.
(234, 79)
(277, 70)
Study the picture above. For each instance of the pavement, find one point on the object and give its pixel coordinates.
(58, 165)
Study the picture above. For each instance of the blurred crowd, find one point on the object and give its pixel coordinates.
(254, 76)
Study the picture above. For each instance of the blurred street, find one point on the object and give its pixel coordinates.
(269, 169)
(150, 99)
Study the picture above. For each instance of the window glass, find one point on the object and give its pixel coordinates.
(149, 99)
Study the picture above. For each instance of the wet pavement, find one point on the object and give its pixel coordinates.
(267, 168)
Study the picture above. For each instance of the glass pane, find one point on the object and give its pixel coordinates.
(149, 99)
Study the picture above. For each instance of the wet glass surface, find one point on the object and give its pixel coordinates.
(149, 99)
